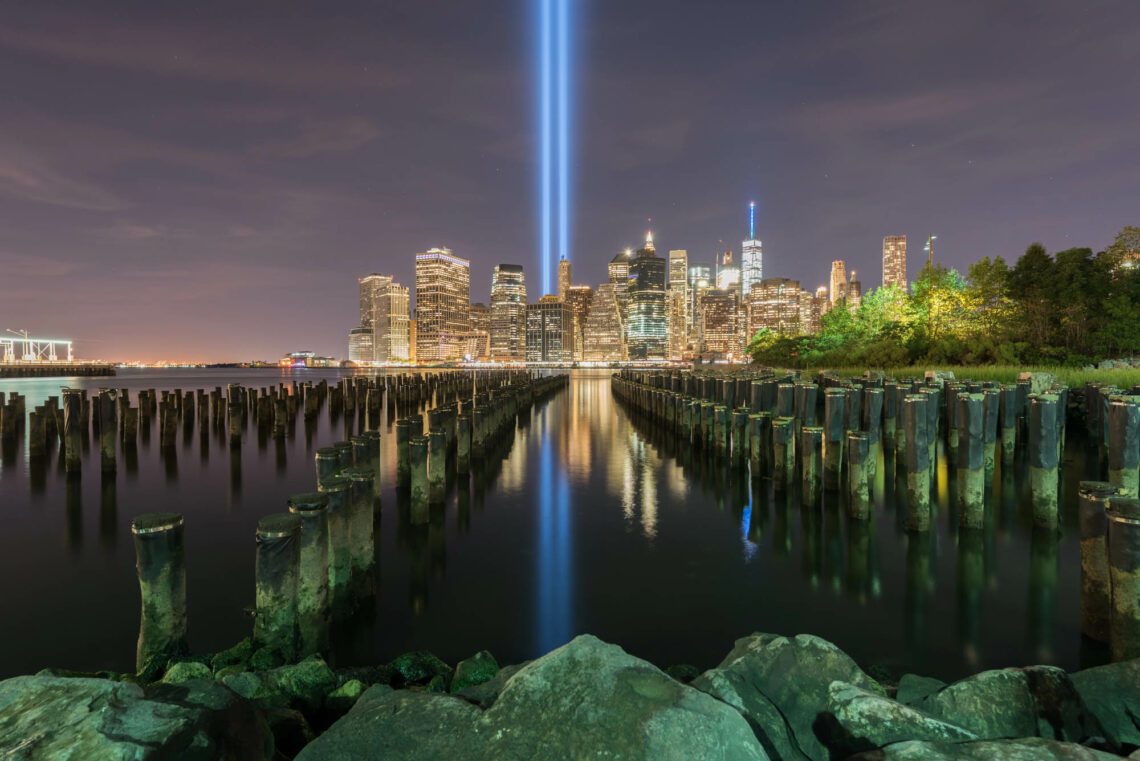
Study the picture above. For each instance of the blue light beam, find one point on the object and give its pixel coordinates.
(546, 35)
(563, 73)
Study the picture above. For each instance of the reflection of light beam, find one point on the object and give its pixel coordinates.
(546, 34)
(563, 132)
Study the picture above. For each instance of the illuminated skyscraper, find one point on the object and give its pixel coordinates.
(679, 319)
(549, 331)
(619, 278)
(578, 300)
(720, 322)
(564, 281)
(700, 280)
(384, 316)
(775, 304)
(894, 261)
(811, 310)
(479, 339)
(728, 274)
(604, 340)
(751, 256)
(838, 284)
(854, 292)
(647, 325)
(508, 313)
(443, 305)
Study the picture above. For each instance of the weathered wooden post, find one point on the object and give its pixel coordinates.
(991, 407)
(107, 430)
(1124, 445)
(338, 489)
(740, 437)
(971, 460)
(834, 427)
(37, 437)
(463, 444)
(760, 442)
(313, 571)
(811, 452)
(1009, 412)
(418, 465)
(277, 576)
(161, 567)
(1096, 587)
(437, 465)
(1124, 571)
(1043, 458)
(783, 451)
(859, 469)
(720, 430)
(72, 432)
(917, 462)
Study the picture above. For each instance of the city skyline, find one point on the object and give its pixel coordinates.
(185, 172)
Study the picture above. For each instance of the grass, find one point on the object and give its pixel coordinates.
(1070, 376)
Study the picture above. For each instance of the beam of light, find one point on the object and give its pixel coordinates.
(546, 34)
(563, 69)
(752, 221)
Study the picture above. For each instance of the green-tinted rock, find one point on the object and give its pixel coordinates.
(304, 684)
(913, 688)
(291, 730)
(859, 720)
(768, 676)
(586, 699)
(369, 675)
(437, 684)
(78, 719)
(477, 669)
(343, 698)
(266, 659)
(683, 672)
(1039, 701)
(1024, 749)
(257, 688)
(185, 671)
(1112, 694)
(484, 695)
(238, 655)
(419, 667)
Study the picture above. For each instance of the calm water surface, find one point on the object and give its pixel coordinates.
(590, 520)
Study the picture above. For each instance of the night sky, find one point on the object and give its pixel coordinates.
(206, 181)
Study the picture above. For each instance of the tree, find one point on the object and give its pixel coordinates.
(1030, 285)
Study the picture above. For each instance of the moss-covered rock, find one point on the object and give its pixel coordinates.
(484, 695)
(584, 700)
(1039, 701)
(238, 655)
(1112, 694)
(1023, 749)
(343, 698)
(267, 659)
(54, 718)
(859, 720)
(913, 688)
(477, 669)
(184, 671)
(304, 684)
(419, 667)
(780, 685)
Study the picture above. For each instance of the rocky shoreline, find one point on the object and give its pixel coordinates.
(772, 697)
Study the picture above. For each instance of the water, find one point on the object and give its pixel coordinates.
(592, 521)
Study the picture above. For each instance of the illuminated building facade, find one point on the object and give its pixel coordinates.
(720, 322)
(838, 286)
(728, 274)
(811, 311)
(700, 280)
(578, 300)
(604, 340)
(384, 316)
(894, 261)
(508, 313)
(854, 292)
(564, 279)
(774, 304)
(619, 278)
(751, 256)
(647, 324)
(549, 331)
(479, 338)
(443, 305)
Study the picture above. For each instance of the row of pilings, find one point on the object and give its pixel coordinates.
(314, 563)
(820, 434)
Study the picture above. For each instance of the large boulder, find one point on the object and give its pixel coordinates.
(1038, 701)
(913, 688)
(1112, 694)
(61, 719)
(781, 684)
(860, 720)
(585, 699)
(1024, 749)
